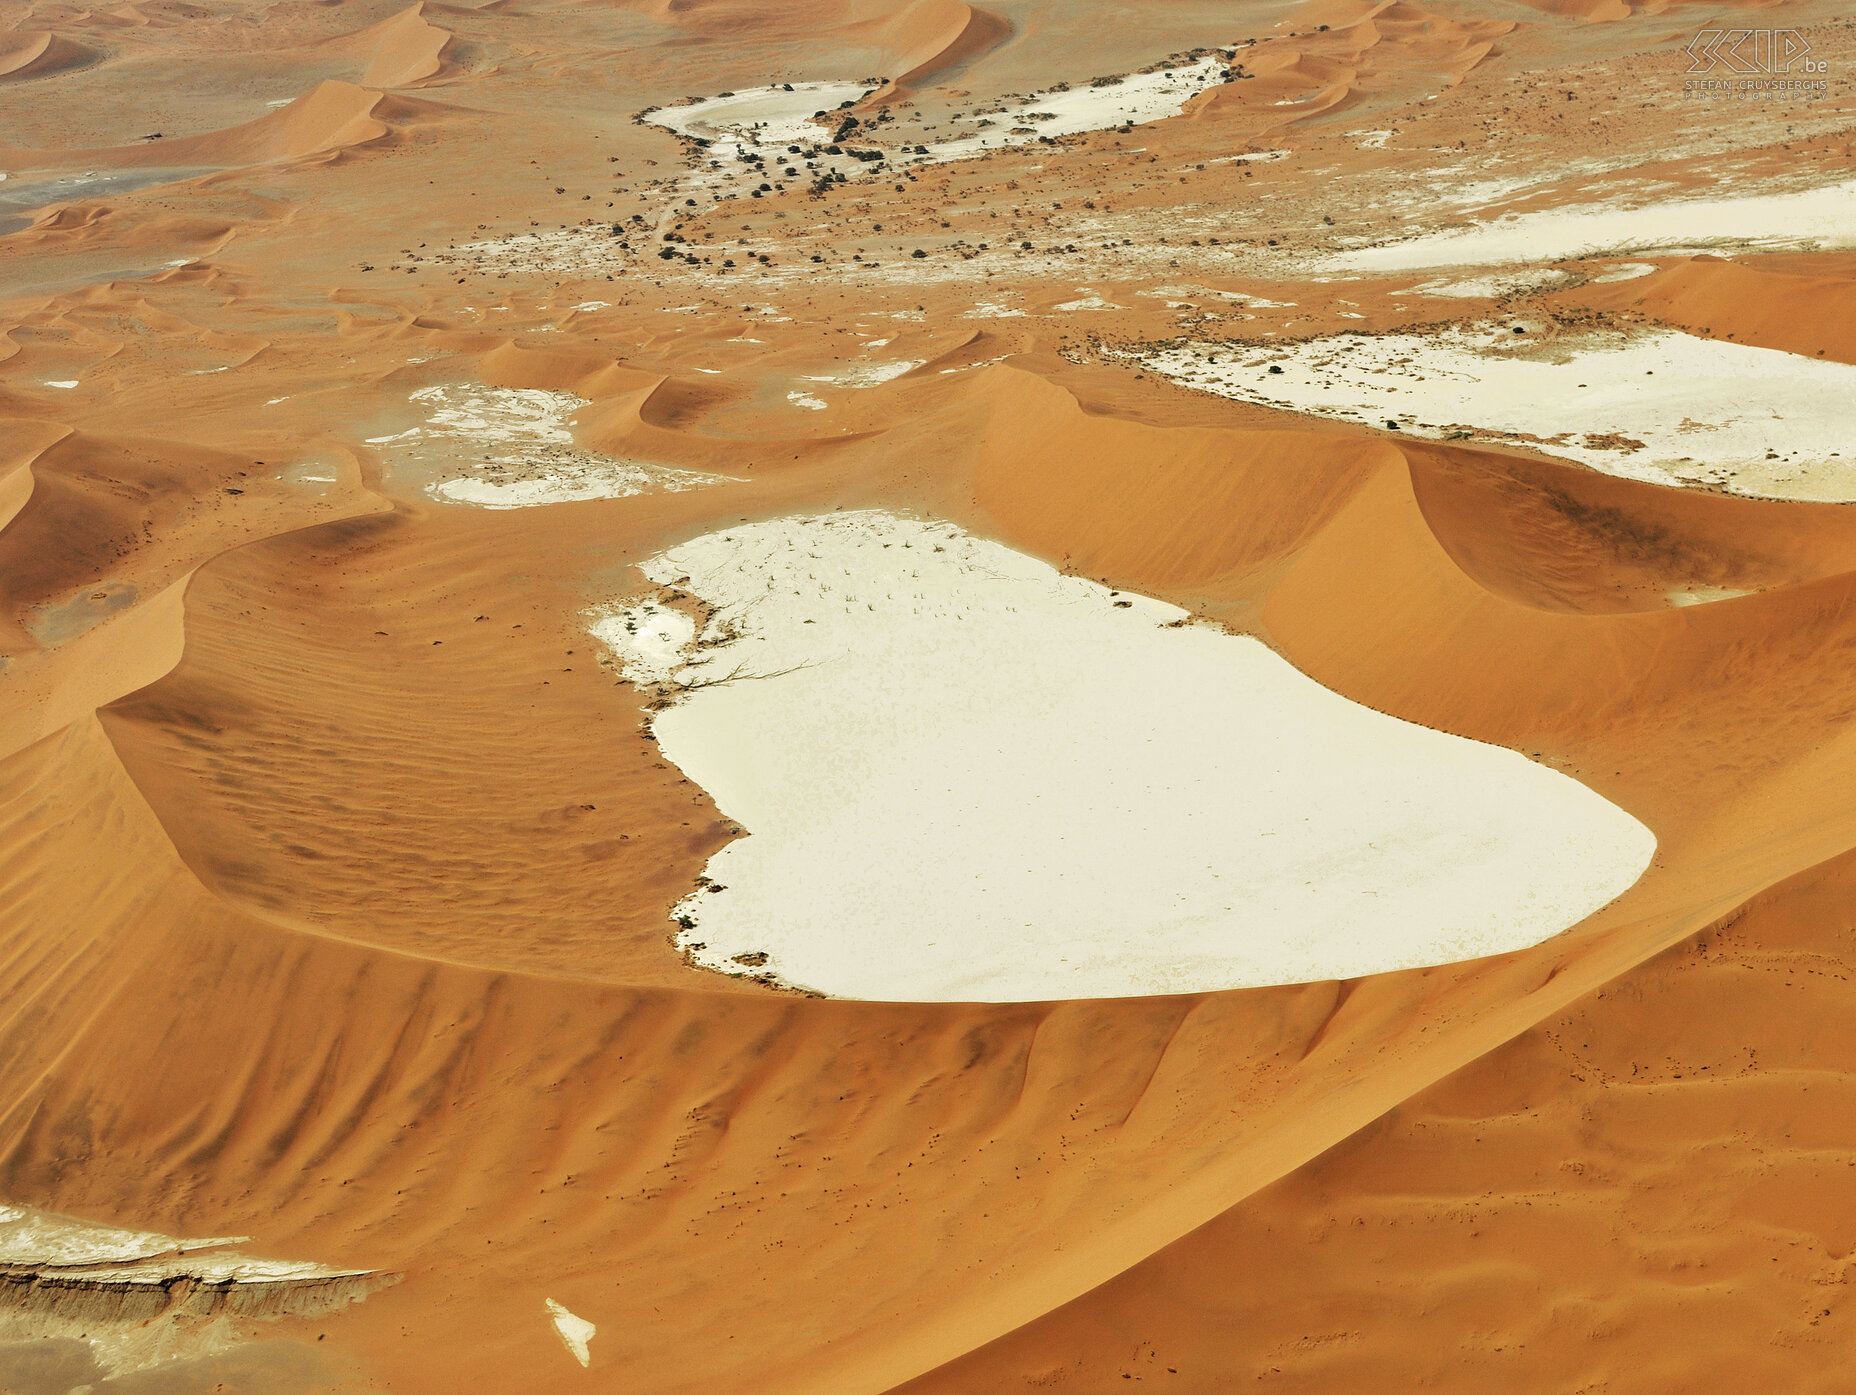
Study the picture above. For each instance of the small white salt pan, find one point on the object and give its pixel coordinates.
(745, 126)
(862, 375)
(31, 1239)
(1627, 271)
(576, 1332)
(61, 382)
(1824, 217)
(874, 374)
(747, 123)
(518, 445)
(1133, 100)
(965, 776)
(501, 414)
(564, 485)
(155, 1273)
(43, 1240)
(1705, 595)
(1493, 287)
(1658, 406)
(779, 113)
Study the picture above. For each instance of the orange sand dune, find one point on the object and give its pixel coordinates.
(26, 438)
(1775, 309)
(932, 39)
(405, 51)
(1160, 508)
(192, 755)
(333, 116)
(1342, 54)
(1654, 1183)
(339, 857)
(37, 53)
(1571, 539)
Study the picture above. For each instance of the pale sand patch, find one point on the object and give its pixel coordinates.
(782, 112)
(1706, 595)
(1624, 271)
(576, 1332)
(652, 639)
(29, 1237)
(567, 484)
(517, 447)
(754, 138)
(1492, 287)
(1823, 217)
(966, 776)
(739, 127)
(140, 1300)
(1131, 100)
(874, 374)
(1660, 406)
(861, 375)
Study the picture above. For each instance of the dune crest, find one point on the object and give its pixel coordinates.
(28, 53)
(407, 50)
(931, 39)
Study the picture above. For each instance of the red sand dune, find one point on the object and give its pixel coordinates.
(339, 858)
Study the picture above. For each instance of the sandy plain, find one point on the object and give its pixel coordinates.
(356, 353)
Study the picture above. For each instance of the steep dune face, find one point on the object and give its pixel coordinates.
(1341, 56)
(1555, 537)
(1627, 1189)
(100, 513)
(1794, 310)
(406, 50)
(838, 1136)
(933, 38)
(335, 114)
(534, 825)
(1178, 508)
(26, 439)
(340, 863)
(38, 53)
(332, 116)
(1654, 699)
